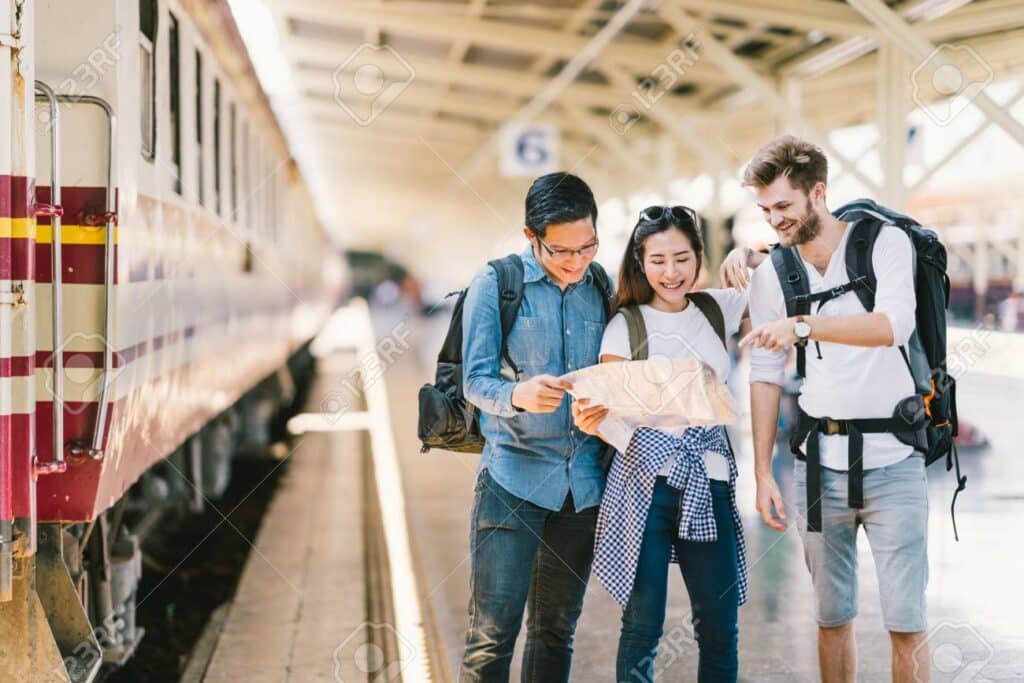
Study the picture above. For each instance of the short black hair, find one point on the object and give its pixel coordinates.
(558, 198)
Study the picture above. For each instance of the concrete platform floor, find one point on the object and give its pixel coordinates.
(300, 611)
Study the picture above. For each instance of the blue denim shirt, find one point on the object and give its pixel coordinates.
(538, 457)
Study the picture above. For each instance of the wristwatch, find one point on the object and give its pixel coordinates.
(802, 330)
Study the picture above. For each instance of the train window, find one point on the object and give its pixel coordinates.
(244, 207)
(252, 172)
(174, 78)
(147, 76)
(268, 206)
(263, 187)
(275, 189)
(233, 135)
(256, 183)
(216, 145)
(200, 158)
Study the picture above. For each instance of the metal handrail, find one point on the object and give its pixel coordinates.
(94, 449)
(54, 210)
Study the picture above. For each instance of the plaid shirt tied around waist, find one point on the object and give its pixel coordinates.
(627, 500)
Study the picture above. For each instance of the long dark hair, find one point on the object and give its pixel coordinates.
(633, 286)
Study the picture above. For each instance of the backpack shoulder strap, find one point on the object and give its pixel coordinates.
(510, 295)
(604, 283)
(712, 311)
(451, 349)
(792, 279)
(795, 290)
(859, 247)
(637, 331)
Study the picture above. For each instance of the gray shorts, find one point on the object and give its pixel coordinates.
(895, 519)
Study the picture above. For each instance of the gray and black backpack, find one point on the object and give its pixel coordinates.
(927, 421)
(446, 419)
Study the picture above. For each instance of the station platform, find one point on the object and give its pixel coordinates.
(310, 582)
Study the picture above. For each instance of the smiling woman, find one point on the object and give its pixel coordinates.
(663, 258)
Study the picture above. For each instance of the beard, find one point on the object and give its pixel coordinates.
(808, 227)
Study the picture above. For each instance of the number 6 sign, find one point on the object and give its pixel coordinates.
(528, 149)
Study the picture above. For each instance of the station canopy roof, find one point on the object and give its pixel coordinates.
(407, 97)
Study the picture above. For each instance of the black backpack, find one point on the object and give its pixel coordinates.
(926, 421)
(446, 419)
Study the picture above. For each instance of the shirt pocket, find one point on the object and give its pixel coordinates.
(528, 342)
(593, 331)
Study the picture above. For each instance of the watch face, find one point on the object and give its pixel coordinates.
(802, 329)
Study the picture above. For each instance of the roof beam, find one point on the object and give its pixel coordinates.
(477, 108)
(953, 152)
(611, 142)
(807, 15)
(684, 128)
(587, 53)
(324, 57)
(523, 11)
(413, 124)
(457, 53)
(421, 99)
(919, 47)
(743, 74)
(974, 18)
(572, 27)
(638, 54)
(391, 136)
(942, 24)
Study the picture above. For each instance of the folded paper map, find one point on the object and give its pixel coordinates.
(668, 393)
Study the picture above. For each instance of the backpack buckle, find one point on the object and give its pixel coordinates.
(837, 291)
(830, 427)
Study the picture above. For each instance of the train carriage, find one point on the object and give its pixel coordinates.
(166, 329)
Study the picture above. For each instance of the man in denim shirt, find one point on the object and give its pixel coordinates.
(539, 480)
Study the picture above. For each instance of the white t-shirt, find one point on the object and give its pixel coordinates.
(684, 334)
(848, 381)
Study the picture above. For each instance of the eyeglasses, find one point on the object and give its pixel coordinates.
(565, 254)
(681, 213)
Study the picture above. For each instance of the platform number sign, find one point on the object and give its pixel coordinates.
(528, 149)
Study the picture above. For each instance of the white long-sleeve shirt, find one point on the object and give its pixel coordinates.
(848, 381)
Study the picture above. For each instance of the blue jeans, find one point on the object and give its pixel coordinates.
(522, 554)
(711, 576)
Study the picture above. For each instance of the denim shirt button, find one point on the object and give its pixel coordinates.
(568, 331)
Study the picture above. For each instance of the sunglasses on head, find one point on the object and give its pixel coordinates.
(679, 212)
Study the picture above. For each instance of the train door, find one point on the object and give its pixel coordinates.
(46, 632)
(28, 650)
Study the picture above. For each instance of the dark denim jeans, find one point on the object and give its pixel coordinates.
(524, 555)
(711, 576)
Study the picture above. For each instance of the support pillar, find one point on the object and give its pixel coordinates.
(893, 107)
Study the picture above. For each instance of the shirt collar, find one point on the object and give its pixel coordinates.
(534, 271)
